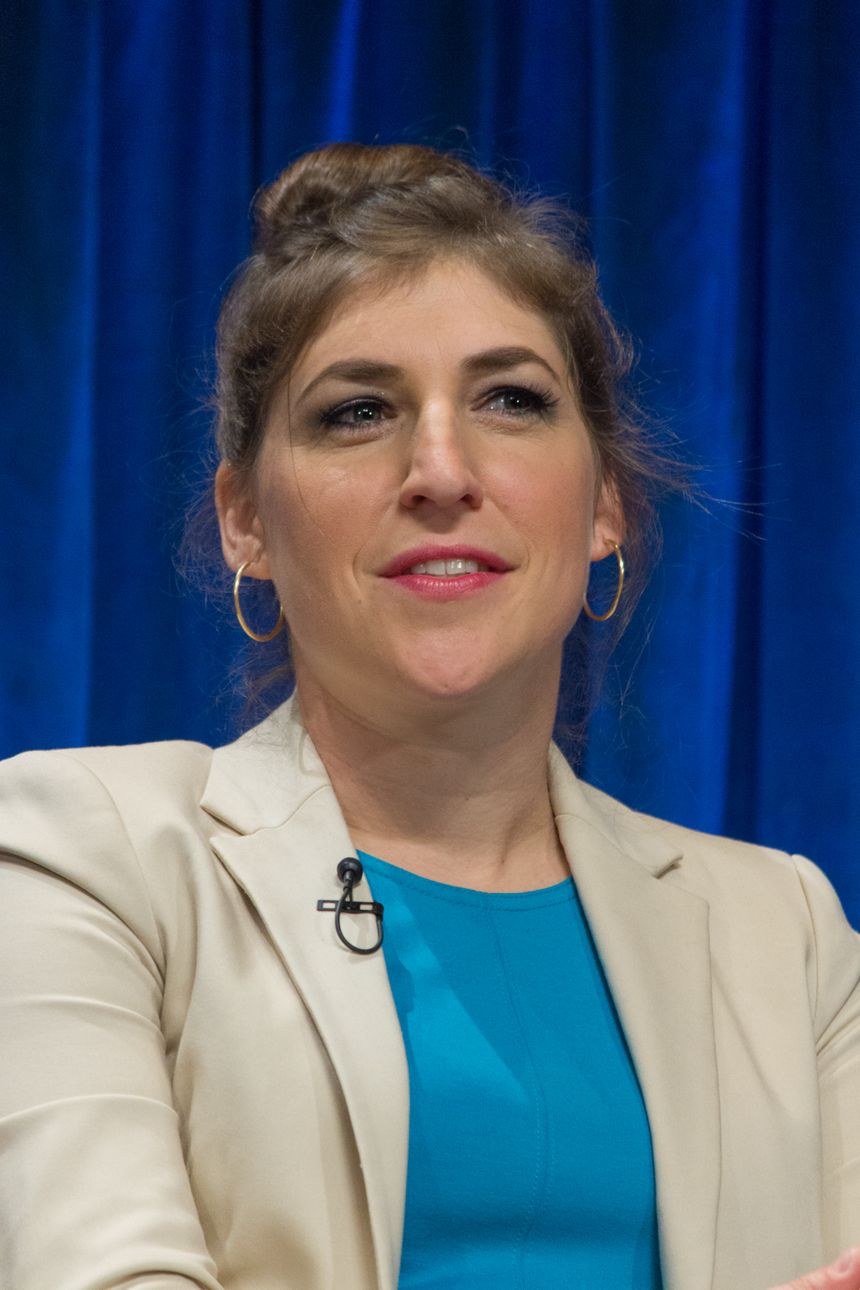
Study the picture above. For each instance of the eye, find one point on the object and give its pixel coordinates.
(357, 414)
(520, 401)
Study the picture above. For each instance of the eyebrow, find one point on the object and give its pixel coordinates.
(497, 360)
(369, 371)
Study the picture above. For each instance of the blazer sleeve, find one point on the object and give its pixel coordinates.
(835, 980)
(93, 1188)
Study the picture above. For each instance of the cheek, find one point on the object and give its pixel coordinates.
(555, 506)
(316, 517)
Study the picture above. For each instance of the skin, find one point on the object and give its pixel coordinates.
(844, 1274)
(433, 719)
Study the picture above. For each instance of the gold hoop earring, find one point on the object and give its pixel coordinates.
(616, 599)
(237, 605)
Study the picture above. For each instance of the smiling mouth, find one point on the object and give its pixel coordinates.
(442, 580)
(436, 562)
(455, 568)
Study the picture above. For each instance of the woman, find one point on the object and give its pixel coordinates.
(593, 1048)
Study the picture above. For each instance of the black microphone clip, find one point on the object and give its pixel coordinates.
(349, 872)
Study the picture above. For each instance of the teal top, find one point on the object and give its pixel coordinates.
(530, 1161)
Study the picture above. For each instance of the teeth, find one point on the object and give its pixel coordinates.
(449, 568)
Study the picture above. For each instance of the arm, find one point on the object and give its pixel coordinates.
(93, 1189)
(836, 1000)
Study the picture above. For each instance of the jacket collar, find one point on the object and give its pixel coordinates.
(286, 836)
(271, 790)
(653, 940)
(259, 780)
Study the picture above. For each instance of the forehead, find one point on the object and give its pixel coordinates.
(446, 311)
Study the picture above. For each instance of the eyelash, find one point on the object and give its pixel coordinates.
(332, 419)
(540, 403)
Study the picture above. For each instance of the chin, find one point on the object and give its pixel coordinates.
(452, 674)
(447, 688)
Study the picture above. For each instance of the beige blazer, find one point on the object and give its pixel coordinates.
(200, 1086)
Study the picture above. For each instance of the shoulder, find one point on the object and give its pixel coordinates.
(764, 903)
(96, 817)
(709, 863)
(44, 794)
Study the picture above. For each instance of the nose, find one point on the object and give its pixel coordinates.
(440, 472)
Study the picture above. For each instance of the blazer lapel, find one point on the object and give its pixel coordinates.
(652, 937)
(284, 867)
(287, 835)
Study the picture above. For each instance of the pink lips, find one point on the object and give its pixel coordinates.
(430, 587)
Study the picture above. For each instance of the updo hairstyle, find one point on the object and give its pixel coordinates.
(350, 215)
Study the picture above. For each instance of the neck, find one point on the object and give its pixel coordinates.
(458, 794)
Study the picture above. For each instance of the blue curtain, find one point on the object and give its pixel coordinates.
(714, 149)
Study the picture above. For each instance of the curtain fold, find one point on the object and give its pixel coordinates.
(713, 149)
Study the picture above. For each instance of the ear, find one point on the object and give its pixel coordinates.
(242, 538)
(608, 526)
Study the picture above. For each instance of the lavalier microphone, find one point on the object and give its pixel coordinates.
(350, 871)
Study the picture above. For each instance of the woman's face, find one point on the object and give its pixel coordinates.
(431, 422)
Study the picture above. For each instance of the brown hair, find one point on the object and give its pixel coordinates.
(349, 214)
